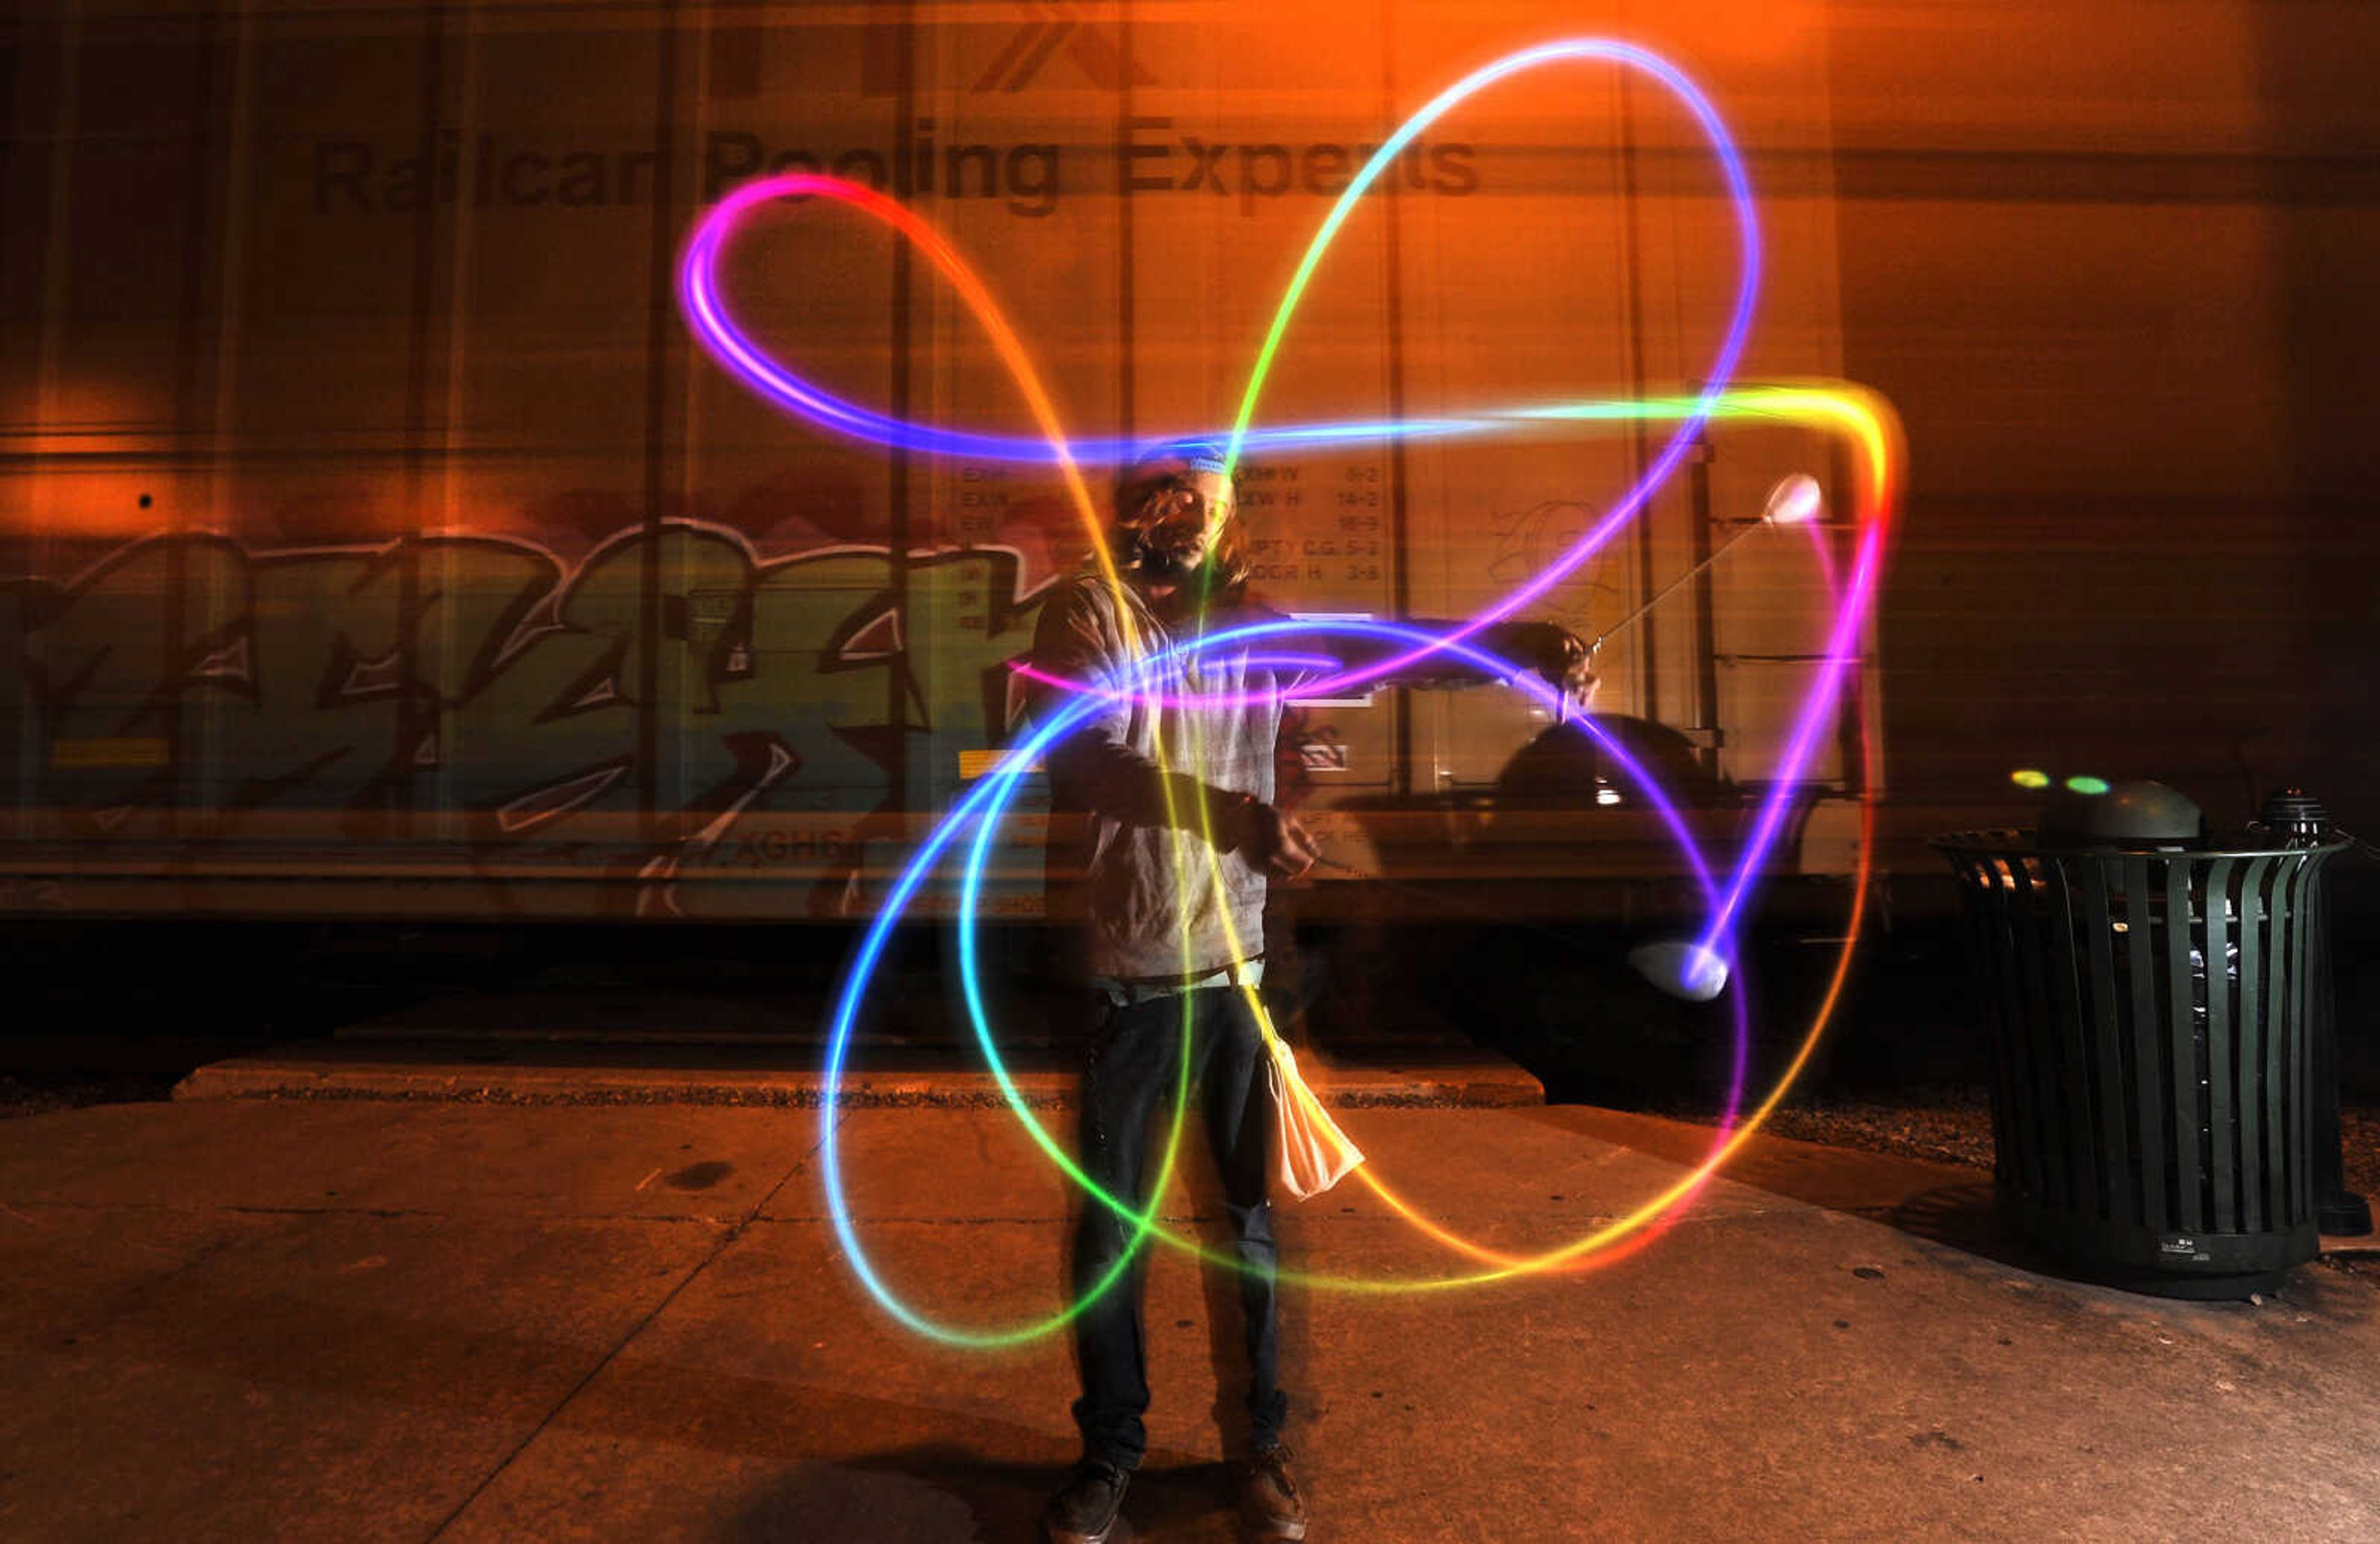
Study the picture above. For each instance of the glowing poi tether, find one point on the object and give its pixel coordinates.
(1859, 413)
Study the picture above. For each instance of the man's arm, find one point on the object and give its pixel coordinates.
(1094, 766)
(1550, 650)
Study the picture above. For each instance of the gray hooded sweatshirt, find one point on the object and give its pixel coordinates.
(1149, 891)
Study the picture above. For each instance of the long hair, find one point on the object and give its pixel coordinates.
(1146, 500)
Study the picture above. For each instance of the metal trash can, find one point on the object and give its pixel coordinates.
(2151, 1076)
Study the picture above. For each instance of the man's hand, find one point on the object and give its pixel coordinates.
(1554, 652)
(1274, 841)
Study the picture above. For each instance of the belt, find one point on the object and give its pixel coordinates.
(1126, 994)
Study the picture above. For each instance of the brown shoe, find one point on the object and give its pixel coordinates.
(1088, 1508)
(1269, 1503)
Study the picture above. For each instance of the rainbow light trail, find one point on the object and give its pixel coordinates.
(979, 811)
(1860, 415)
(707, 314)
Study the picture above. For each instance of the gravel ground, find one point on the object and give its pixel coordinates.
(1945, 1126)
(2360, 1142)
(40, 1093)
(1954, 1125)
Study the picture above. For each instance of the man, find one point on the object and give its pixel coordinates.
(1183, 838)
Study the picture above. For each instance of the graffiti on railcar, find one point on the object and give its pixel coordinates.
(188, 694)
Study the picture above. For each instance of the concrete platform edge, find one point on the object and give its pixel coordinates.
(296, 1076)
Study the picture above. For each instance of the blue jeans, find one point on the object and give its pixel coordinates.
(1128, 1087)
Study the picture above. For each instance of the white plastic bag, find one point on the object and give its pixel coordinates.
(1312, 1153)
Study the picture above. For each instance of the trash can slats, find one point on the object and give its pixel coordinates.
(2108, 1089)
(2189, 1158)
(2149, 1053)
(2302, 1108)
(2149, 1078)
(2258, 1125)
(2222, 1068)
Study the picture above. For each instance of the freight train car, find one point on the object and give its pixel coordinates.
(377, 540)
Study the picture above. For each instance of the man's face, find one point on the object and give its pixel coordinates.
(1185, 529)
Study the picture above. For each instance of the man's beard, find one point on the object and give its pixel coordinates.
(1169, 564)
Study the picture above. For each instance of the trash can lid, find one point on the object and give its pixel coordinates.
(2137, 814)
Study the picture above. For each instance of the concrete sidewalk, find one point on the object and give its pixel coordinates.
(401, 1319)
